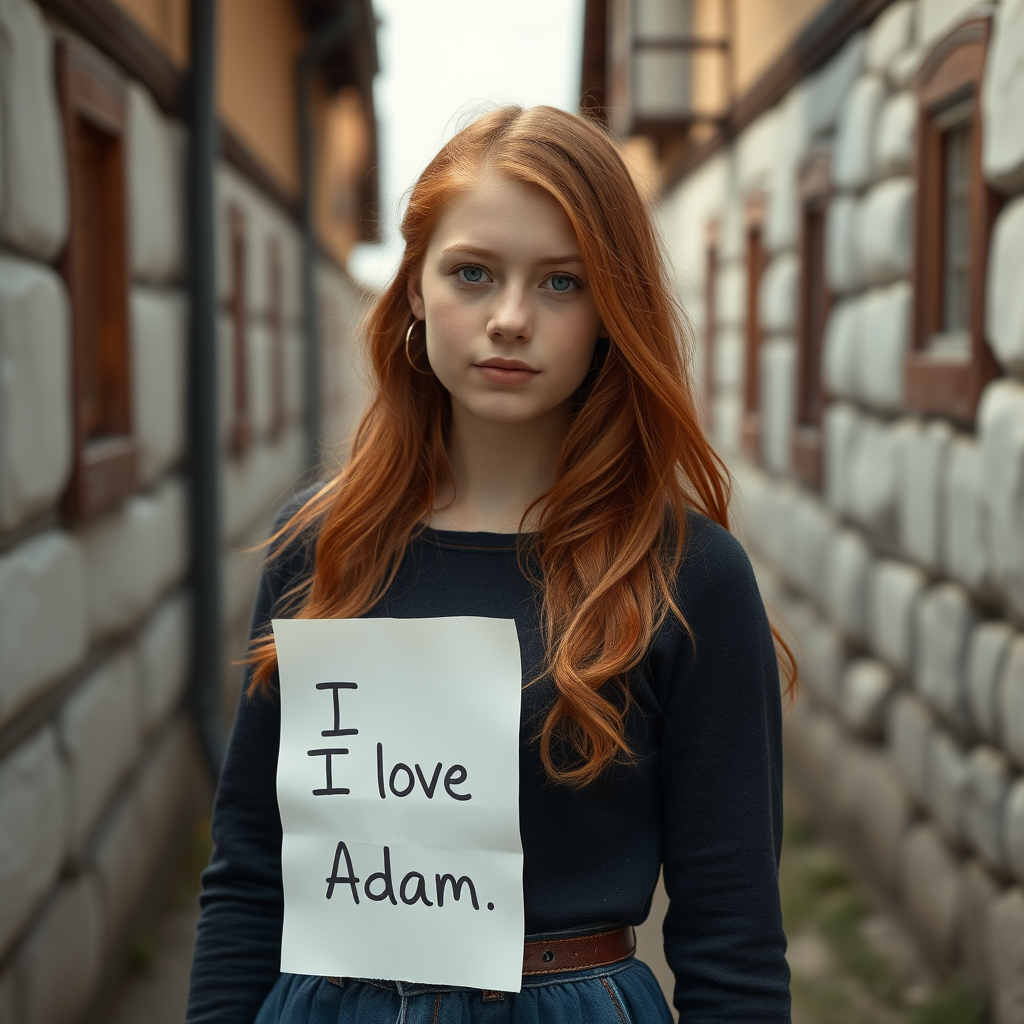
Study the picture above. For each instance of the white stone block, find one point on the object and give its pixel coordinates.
(987, 648)
(930, 888)
(33, 829)
(909, 727)
(1006, 941)
(842, 268)
(810, 527)
(43, 617)
(729, 354)
(947, 782)
(782, 219)
(962, 519)
(881, 815)
(731, 295)
(852, 166)
(99, 732)
(830, 86)
(840, 427)
(778, 294)
(172, 510)
(58, 967)
(824, 658)
(778, 399)
(165, 782)
(1013, 827)
(123, 861)
(756, 151)
(935, 18)
(124, 563)
(943, 620)
(865, 688)
(988, 783)
(294, 355)
(35, 388)
(979, 892)
(1001, 435)
(155, 151)
(727, 422)
(261, 410)
(896, 136)
(890, 34)
(874, 475)
(884, 337)
(158, 375)
(1011, 701)
(885, 231)
(33, 174)
(163, 649)
(848, 565)
(1002, 98)
(925, 454)
(893, 593)
(1004, 314)
(841, 349)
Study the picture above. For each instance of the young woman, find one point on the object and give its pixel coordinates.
(532, 451)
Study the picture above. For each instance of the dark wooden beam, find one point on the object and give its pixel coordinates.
(815, 46)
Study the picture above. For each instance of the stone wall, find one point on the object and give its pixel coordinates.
(98, 763)
(900, 581)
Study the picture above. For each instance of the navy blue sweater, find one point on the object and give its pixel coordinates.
(703, 798)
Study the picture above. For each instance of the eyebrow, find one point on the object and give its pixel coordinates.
(490, 254)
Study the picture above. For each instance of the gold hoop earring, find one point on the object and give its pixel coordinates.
(408, 355)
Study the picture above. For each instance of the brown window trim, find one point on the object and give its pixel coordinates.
(240, 430)
(275, 326)
(949, 386)
(815, 190)
(754, 213)
(710, 318)
(93, 102)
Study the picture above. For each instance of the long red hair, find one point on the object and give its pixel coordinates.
(611, 529)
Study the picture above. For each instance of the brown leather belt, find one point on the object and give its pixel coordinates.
(549, 956)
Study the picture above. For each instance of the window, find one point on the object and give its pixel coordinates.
(275, 325)
(95, 269)
(756, 260)
(240, 431)
(950, 362)
(710, 318)
(815, 303)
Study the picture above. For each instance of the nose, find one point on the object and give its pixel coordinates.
(511, 319)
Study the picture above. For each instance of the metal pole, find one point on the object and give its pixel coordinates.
(203, 421)
(319, 44)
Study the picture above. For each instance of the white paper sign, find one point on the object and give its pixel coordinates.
(398, 784)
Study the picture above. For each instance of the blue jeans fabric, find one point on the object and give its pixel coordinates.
(621, 993)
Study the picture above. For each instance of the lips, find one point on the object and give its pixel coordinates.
(506, 371)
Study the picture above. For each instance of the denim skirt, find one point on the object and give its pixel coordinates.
(621, 993)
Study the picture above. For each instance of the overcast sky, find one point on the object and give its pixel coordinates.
(442, 61)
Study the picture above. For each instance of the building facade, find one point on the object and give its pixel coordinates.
(100, 768)
(848, 237)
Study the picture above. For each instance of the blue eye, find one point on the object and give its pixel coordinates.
(471, 275)
(562, 282)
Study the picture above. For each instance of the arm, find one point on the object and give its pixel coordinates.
(238, 942)
(721, 774)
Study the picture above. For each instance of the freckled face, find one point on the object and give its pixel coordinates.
(511, 322)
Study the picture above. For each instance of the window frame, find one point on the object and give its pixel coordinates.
(104, 468)
(949, 385)
(815, 190)
(756, 258)
(275, 328)
(240, 431)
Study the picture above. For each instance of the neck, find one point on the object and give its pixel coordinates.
(499, 469)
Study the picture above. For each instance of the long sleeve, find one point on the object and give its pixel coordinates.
(238, 943)
(721, 778)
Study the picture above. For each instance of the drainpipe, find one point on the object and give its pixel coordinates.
(325, 39)
(203, 420)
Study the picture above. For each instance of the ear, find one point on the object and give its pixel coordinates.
(415, 294)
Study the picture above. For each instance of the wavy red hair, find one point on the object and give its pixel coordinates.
(611, 531)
